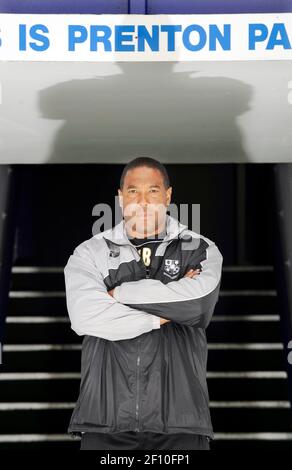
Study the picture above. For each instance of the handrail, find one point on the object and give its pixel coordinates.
(281, 207)
(8, 209)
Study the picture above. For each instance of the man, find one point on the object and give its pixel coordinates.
(142, 295)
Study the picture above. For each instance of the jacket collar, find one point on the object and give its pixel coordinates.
(118, 234)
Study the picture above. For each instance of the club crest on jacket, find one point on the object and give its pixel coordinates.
(171, 267)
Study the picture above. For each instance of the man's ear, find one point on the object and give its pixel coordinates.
(168, 195)
(120, 195)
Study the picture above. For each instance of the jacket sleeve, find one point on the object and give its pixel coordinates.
(92, 311)
(190, 301)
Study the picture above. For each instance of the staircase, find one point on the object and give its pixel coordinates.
(40, 374)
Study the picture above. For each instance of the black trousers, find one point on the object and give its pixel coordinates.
(132, 440)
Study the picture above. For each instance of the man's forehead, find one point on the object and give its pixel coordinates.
(150, 185)
(143, 175)
(142, 180)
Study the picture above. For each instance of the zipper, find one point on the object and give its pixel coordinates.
(137, 394)
(147, 273)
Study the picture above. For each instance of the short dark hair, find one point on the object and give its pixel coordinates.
(150, 163)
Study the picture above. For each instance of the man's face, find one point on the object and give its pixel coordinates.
(144, 200)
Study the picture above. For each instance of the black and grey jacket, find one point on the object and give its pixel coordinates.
(135, 374)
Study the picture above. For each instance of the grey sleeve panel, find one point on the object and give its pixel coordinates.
(190, 301)
(92, 311)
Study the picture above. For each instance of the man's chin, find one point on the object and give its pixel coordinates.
(143, 226)
(145, 229)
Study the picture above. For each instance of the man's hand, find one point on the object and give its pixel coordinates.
(190, 273)
(111, 292)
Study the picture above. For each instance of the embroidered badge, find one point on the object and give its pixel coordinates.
(171, 267)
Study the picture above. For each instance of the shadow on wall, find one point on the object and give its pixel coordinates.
(151, 109)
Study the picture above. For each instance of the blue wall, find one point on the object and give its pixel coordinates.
(144, 6)
(64, 6)
(217, 6)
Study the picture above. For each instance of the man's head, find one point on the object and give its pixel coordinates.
(144, 195)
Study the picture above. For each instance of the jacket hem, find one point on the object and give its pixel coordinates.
(78, 429)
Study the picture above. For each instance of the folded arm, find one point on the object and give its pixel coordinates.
(92, 310)
(190, 301)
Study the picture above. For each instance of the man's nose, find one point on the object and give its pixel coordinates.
(142, 200)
